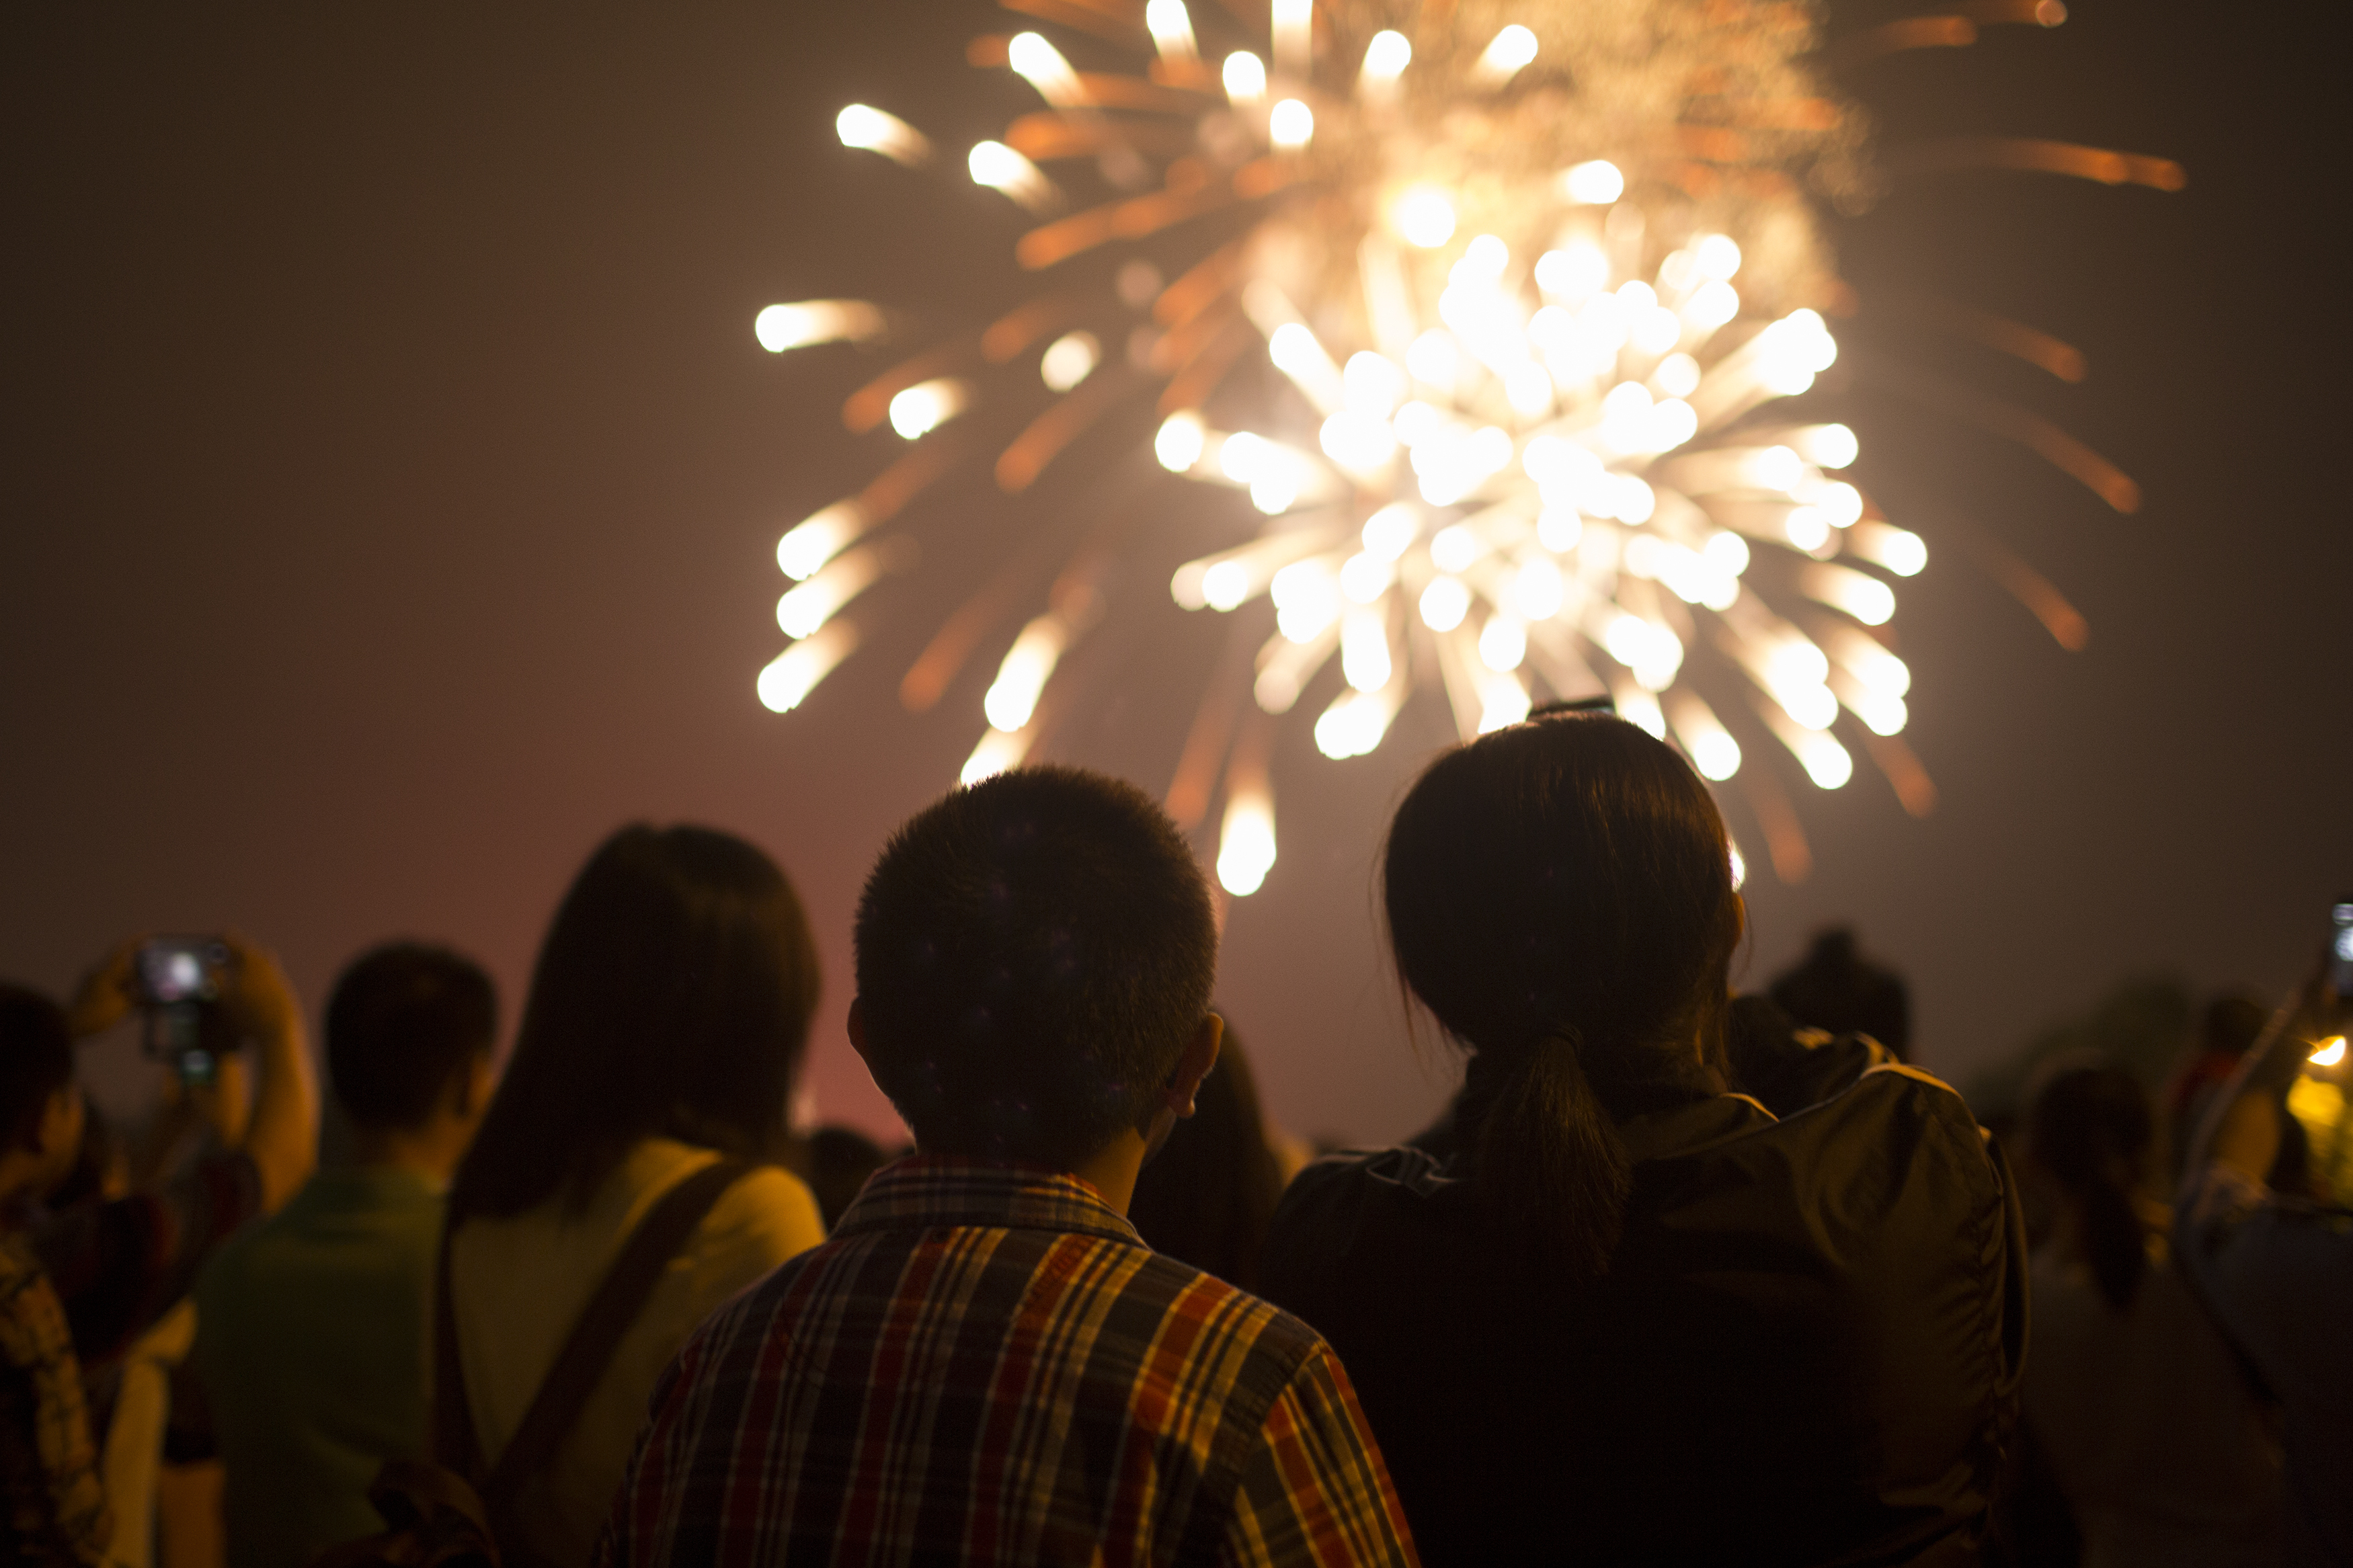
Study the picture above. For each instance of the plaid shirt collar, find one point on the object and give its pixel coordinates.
(926, 1190)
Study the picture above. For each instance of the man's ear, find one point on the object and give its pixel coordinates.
(1200, 1054)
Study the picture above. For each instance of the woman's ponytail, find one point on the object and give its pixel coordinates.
(1547, 1159)
(2114, 1242)
(1560, 896)
(2089, 1130)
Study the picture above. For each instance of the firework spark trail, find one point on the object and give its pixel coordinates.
(1537, 279)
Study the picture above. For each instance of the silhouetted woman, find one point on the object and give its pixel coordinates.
(2144, 1417)
(664, 1028)
(1634, 1318)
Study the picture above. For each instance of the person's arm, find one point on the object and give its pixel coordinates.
(282, 1137)
(1315, 1490)
(2241, 1128)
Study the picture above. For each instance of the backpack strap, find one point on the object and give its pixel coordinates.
(587, 1351)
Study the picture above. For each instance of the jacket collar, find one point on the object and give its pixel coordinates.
(923, 1191)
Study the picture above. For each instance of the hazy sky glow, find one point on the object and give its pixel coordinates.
(394, 480)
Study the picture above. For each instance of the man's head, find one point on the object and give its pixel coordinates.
(1034, 954)
(40, 1107)
(410, 1030)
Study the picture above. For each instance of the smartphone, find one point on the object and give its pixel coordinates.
(177, 980)
(2340, 948)
(175, 970)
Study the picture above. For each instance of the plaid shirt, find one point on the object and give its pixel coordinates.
(52, 1507)
(986, 1365)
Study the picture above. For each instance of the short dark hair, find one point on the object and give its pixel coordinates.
(671, 999)
(404, 1022)
(1835, 987)
(1033, 952)
(36, 1061)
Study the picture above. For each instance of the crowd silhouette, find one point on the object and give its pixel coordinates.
(1681, 1276)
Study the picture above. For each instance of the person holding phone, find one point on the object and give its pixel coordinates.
(2276, 1269)
(119, 1264)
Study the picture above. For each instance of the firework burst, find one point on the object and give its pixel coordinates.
(1541, 282)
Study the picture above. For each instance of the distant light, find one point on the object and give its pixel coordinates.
(1225, 585)
(1503, 644)
(1390, 530)
(1503, 701)
(1365, 576)
(1828, 446)
(1246, 842)
(1709, 744)
(1353, 726)
(1716, 255)
(1899, 550)
(1444, 602)
(1840, 501)
(1171, 26)
(1485, 258)
(1539, 590)
(1012, 698)
(1597, 184)
(804, 610)
(1527, 387)
(1825, 760)
(1000, 167)
(1275, 489)
(1453, 548)
(1777, 468)
(1179, 444)
(1359, 443)
(1423, 218)
(1290, 125)
(1510, 51)
(1657, 329)
(1245, 76)
(1864, 598)
(997, 751)
(1436, 360)
(1677, 375)
(1387, 56)
(1070, 360)
(1372, 384)
(1806, 527)
(1042, 66)
(808, 544)
(1713, 303)
(1637, 706)
(792, 675)
(1243, 455)
(2331, 1052)
(927, 406)
(870, 129)
(1727, 552)
(1365, 650)
(1292, 31)
(1576, 270)
(782, 327)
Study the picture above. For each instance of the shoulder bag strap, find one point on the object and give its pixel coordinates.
(454, 1447)
(588, 1350)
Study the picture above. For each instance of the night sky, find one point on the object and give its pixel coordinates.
(392, 482)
